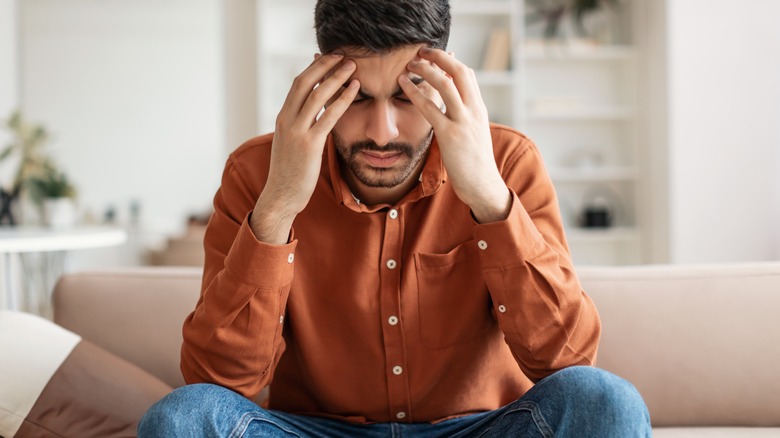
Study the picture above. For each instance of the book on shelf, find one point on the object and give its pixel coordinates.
(497, 52)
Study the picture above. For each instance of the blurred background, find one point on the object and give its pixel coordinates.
(658, 119)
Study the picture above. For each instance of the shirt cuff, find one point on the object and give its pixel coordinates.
(504, 241)
(260, 264)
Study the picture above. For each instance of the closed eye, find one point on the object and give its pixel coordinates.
(398, 95)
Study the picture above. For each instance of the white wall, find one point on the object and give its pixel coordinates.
(9, 78)
(9, 64)
(132, 91)
(9, 58)
(240, 65)
(724, 113)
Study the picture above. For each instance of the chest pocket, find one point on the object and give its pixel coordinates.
(454, 303)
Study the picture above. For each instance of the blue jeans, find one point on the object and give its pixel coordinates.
(576, 402)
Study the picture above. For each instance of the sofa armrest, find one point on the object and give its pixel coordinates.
(134, 313)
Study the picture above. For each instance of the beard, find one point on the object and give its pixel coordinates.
(382, 177)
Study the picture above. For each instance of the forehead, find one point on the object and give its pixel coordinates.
(379, 71)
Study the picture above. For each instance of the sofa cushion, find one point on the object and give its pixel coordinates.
(55, 384)
(698, 342)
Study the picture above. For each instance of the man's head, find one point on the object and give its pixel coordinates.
(382, 139)
(381, 26)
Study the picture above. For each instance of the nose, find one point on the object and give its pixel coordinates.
(381, 125)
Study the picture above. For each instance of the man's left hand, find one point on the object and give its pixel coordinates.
(462, 131)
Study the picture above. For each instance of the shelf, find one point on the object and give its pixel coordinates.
(601, 235)
(488, 7)
(593, 174)
(582, 113)
(495, 78)
(577, 52)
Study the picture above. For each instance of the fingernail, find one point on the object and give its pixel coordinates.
(347, 65)
(426, 50)
(336, 55)
(404, 79)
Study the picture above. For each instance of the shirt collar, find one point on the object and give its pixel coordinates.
(433, 176)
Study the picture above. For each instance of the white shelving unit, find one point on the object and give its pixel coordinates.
(577, 100)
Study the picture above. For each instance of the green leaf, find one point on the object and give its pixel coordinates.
(6, 152)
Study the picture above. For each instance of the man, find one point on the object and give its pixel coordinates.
(395, 266)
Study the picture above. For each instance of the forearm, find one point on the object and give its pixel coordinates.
(548, 321)
(234, 347)
(233, 337)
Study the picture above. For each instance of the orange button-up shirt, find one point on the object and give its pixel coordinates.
(410, 312)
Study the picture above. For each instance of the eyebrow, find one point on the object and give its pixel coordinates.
(398, 91)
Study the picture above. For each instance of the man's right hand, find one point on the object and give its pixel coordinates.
(299, 139)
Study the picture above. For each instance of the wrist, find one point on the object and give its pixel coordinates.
(271, 222)
(493, 206)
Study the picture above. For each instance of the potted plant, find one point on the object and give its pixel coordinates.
(36, 176)
(53, 192)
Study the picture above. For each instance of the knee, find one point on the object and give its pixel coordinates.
(182, 409)
(599, 391)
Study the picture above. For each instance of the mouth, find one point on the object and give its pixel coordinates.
(379, 159)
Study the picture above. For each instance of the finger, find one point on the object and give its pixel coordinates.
(427, 107)
(326, 90)
(307, 79)
(460, 72)
(442, 83)
(336, 109)
(476, 81)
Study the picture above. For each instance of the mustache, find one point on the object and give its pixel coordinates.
(368, 145)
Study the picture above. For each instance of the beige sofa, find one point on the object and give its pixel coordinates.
(701, 343)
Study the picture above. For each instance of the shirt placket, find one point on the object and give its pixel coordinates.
(392, 325)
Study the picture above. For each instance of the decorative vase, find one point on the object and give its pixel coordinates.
(8, 206)
(59, 213)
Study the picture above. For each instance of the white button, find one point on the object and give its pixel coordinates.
(502, 308)
(391, 264)
(400, 415)
(393, 214)
(482, 244)
(393, 320)
(290, 258)
(397, 370)
(281, 319)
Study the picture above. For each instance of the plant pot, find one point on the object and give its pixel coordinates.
(59, 213)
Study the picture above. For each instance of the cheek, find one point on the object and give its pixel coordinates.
(348, 125)
(408, 116)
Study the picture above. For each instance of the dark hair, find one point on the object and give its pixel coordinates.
(381, 25)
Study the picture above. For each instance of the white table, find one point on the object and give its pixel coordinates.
(15, 241)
